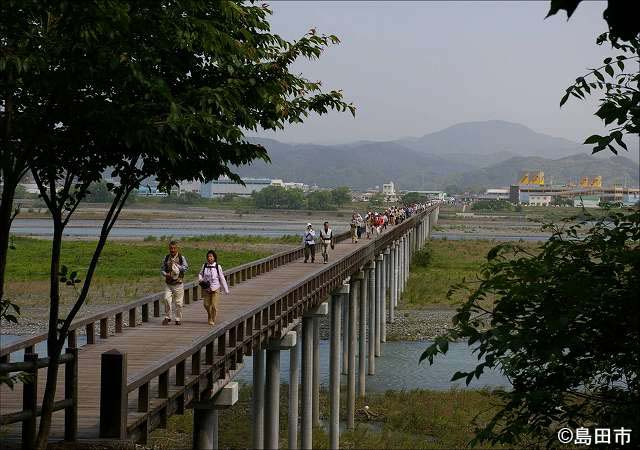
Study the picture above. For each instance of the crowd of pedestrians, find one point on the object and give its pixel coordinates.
(211, 276)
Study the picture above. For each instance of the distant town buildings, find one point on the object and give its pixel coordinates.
(539, 200)
(495, 194)
(389, 192)
(224, 185)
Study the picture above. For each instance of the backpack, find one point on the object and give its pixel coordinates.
(205, 284)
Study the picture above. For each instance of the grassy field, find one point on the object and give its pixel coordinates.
(127, 269)
(451, 262)
(434, 420)
(119, 261)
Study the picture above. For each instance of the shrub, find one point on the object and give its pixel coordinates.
(422, 258)
(150, 238)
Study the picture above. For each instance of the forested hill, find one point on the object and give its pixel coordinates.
(474, 154)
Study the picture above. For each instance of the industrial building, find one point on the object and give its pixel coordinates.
(224, 185)
(588, 192)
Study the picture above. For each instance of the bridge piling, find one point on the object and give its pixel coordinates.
(394, 282)
(345, 334)
(311, 372)
(354, 286)
(205, 417)
(272, 389)
(306, 382)
(294, 378)
(362, 332)
(385, 284)
(258, 397)
(338, 297)
(371, 369)
(316, 372)
(379, 302)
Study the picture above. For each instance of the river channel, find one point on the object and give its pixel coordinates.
(396, 369)
(138, 229)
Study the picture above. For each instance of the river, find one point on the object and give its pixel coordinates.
(396, 369)
(139, 229)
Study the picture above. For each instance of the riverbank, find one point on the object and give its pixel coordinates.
(434, 420)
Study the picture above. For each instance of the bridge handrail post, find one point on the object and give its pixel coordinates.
(30, 403)
(71, 393)
(113, 395)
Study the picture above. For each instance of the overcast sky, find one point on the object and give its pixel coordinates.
(412, 68)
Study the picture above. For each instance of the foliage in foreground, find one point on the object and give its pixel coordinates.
(564, 327)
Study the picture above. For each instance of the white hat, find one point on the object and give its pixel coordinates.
(309, 225)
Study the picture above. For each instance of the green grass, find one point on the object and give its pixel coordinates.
(127, 270)
(404, 419)
(451, 261)
(238, 239)
(29, 261)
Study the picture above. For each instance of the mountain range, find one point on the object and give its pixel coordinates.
(471, 155)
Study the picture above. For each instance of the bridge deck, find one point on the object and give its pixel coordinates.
(148, 344)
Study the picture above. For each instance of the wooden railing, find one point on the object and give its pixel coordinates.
(170, 385)
(150, 304)
(30, 409)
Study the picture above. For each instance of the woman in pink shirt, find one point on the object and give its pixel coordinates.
(211, 278)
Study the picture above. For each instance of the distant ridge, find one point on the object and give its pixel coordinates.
(491, 137)
(471, 154)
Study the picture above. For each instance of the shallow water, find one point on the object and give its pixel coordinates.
(396, 369)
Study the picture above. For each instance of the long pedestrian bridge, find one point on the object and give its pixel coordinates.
(133, 373)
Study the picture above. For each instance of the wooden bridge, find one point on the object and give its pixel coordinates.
(133, 373)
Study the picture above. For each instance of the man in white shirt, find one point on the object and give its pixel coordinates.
(309, 242)
(326, 239)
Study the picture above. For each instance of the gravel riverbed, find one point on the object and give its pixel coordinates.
(410, 324)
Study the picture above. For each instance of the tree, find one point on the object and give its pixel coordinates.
(620, 89)
(621, 94)
(320, 200)
(277, 197)
(564, 324)
(412, 197)
(564, 328)
(160, 89)
(492, 205)
(452, 189)
(618, 15)
(377, 200)
(99, 193)
(340, 196)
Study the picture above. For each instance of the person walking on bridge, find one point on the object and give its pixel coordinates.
(354, 229)
(326, 239)
(211, 278)
(309, 242)
(173, 268)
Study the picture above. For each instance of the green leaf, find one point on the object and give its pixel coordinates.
(568, 5)
(609, 70)
(593, 139)
(458, 375)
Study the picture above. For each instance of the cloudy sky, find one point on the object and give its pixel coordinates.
(416, 67)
